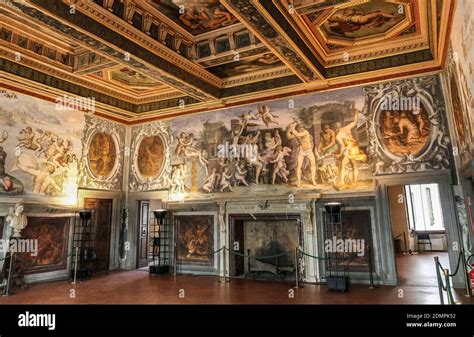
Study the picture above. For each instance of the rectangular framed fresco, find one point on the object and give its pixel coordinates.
(195, 235)
(356, 226)
(52, 234)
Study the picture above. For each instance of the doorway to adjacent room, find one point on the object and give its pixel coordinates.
(418, 232)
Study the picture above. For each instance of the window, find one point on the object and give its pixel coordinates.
(424, 207)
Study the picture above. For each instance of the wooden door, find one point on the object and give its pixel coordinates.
(144, 219)
(101, 227)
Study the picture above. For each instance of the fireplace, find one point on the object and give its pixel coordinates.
(269, 240)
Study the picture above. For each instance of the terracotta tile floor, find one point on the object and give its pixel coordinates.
(137, 287)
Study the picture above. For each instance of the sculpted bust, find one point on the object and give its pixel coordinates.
(17, 220)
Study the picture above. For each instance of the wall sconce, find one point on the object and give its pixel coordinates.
(160, 215)
(334, 210)
(85, 215)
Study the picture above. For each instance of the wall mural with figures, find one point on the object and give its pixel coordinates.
(407, 126)
(102, 154)
(40, 147)
(48, 150)
(325, 142)
(309, 142)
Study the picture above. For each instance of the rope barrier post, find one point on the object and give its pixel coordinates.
(248, 264)
(465, 274)
(438, 277)
(371, 277)
(405, 243)
(10, 267)
(75, 265)
(296, 268)
(224, 277)
(448, 287)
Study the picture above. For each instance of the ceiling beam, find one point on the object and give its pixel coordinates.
(104, 41)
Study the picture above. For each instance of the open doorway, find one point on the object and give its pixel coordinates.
(153, 237)
(418, 232)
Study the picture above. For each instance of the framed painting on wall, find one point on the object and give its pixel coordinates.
(52, 235)
(356, 235)
(195, 238)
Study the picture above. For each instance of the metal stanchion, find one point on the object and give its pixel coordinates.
(249, 267)
(224, 278)
(75, 265)
(10, 267)
(405, 243)
(371, 277)
(465, 274)
(448, 287)
(438, 276)
(296, 268)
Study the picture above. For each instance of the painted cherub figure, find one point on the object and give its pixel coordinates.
(280, 164)
(266, 116)
(225, 180)
(240, 173)
(211, 180)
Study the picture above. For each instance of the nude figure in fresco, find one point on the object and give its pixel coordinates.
(280, 164)
(406, 127)
(211, 181)
(225, 180)
(183, 142)
(350, 20)
(266, 116)
(305, 150)
(240, 173)
(43, 180)
(327, 145)
(348, 150)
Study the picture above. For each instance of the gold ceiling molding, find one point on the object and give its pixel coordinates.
(383, 44)
(99, 47)
(110, 20)
(257, 77)
(312, 58)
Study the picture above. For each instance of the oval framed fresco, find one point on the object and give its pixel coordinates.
(151, 155)
(102, 155)
(404, 132)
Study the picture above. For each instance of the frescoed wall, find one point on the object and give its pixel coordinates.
(48, 150)
(309, 142)
(460, 71)
(325, 142)
(40, 147)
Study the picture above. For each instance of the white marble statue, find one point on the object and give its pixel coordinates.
(17, 220)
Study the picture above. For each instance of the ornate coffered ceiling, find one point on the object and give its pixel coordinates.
(152, 59)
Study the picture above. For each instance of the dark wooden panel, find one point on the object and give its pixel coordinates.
(102, 225)
(144, 219)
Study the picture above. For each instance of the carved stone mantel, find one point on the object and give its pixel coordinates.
(273, 206)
